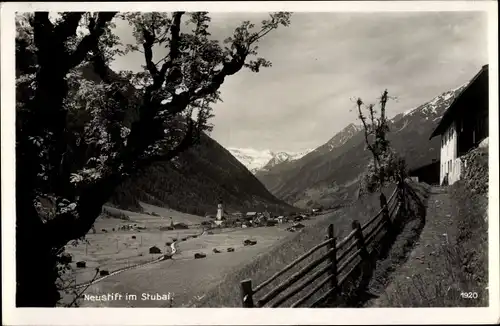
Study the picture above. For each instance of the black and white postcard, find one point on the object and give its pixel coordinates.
(341, 156)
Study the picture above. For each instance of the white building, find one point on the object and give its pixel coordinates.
(463, 126)
(220, 214)
(450, 161)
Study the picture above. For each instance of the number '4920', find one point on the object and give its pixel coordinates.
(468, 295)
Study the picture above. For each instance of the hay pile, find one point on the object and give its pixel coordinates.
(475, 170)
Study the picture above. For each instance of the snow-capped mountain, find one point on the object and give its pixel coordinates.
(343, 158)
(433, 109)
(282, 157)
(256, 160)
(343, 136)
(339, 139)
(253, 159)
(299, 155)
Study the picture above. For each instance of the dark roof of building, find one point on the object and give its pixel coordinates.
(448, 114)
(425, 166)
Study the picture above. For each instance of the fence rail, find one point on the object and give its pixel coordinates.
(338, 257)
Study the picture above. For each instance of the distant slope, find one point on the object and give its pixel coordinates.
(205, 174)
(330, 173)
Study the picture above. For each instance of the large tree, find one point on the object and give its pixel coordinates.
(78, 138)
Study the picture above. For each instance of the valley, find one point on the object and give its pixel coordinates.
(190, 159)
(134, 270)
(326, 177)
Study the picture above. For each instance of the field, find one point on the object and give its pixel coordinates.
(112, 249)
(214, 280)
(227, 292)
(185, 277)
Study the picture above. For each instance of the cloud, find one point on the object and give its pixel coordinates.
(323, 59)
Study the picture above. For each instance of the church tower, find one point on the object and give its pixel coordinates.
(220, 211)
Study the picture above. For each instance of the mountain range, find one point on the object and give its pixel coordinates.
(204, 175)
(256, 160)
(247, 179)
(329, 174)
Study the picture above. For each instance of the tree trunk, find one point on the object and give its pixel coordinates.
(36, 268)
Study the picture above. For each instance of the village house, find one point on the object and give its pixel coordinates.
(428, 173)
(463, 126)
(238, 214)
(154, 250)
(250, 215)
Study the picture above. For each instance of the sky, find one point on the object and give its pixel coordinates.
(324, 60)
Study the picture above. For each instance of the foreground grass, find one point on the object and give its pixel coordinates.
(227, 292)
(459, 266)
(397, 251)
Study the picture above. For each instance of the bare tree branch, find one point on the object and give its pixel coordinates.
(79, 295)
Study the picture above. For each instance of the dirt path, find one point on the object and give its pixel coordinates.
(173, 247)
(424, 258)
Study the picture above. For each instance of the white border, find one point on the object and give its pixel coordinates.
(232, 316)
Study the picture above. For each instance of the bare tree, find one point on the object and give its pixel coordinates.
(385, 164)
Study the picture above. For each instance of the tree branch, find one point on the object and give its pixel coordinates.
(184, 144)
(67, 27)
(365, 127)
(96, 29)
(42, 28)
(149, 38)
(174, 44)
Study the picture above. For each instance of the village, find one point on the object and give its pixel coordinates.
(257, 219)
(123, 240)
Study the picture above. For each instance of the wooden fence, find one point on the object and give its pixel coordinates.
(339, 257)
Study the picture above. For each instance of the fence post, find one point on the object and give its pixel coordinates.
(385, 210)
(366, 263)
(333, 255)
(356, 226)
(247, 293)
(402, 195)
